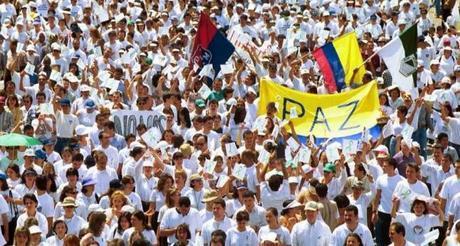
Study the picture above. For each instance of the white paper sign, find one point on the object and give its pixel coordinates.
(260, 125)
(293, 144)
(350, 146)
(304, 155)
(276, 131)
(19, 47)
(387, 130)
(207, 71)
(264, 156)
(407, 133)
(231, 149)
(30, 69)
(55, 75)
(204, 91)
(81, 64)
(226, 68)
(111, 84)
(239, 171)
(152, 137)
(159, 60)
(97, 51)
(209, 166)
(46, 108)
(430, 237)
(332, 153)
(222, 181)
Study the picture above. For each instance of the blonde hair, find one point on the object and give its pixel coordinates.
(120, 195)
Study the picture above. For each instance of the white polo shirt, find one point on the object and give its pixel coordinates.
(172, 218)
(305, 234)
(212, 225)
(340, 234)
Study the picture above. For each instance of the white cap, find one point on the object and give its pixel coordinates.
(269, 237)
(35, 229)
(230, 102)
(30, 47)
(85, 87)
(381, 148)
(81, 130)
(135, 144)
(29, 152)
(147, 163)
(307, 168)
(128, 208)
(293, 180)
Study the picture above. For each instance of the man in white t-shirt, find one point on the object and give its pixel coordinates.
(450, 188)
(218, 222)
(65, 123)
(179, 215)
(381, 209)
(406, 190)
(101, 172)
(351, 225)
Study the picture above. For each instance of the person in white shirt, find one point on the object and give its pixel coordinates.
(74, 222)
(450, 188)
(273, 226)
(139, 225)
(59, 230)
(218, 222)
(256, 212)
(361, 200)
(381, 209)
(398, 234)
(66, 123)
(406, 190)
(101, 172)
(179, 215)
(30, 202)
(311, 231)
(241, 233)
(351, 225)
(418, 220)
(110, 151)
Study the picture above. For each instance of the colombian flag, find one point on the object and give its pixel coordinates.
(210, 46)
(338, 59)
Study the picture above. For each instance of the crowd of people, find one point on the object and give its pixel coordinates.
(217, 172)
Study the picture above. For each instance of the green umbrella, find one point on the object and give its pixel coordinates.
(14, 139)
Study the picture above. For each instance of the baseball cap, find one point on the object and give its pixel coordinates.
(65, 101)
(88, 181)
(29, 152)
(200, 103)
(90, 104)
(313, 206)
(330, 168)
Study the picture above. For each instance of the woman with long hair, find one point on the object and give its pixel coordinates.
(13, 106)
(158, 196)
(418, 218)
(171, 201)
(21, 237)
(98, 227)
(117, 201)
(117, 230)
(128, 189)
(140, 226)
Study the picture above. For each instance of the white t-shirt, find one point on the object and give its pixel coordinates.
(212, 225)
(416, 227)
(45, 205)
(149, 235)
(408, 192)
(387, 185)
(450, 188)
(65, 124)
(282, 234)
(235, 237)
(103, 178)
(270, 198)
(173, 218)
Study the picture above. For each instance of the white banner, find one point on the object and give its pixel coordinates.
(126, 121)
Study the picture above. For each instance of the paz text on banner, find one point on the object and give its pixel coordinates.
(334, 115)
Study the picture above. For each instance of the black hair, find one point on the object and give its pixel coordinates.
(321, 190)
(352, 208)
(30, 196)
(40, 182)
(184, 201)
(399, 228)
(342, 201)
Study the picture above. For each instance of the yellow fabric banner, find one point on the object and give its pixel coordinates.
(325, 116)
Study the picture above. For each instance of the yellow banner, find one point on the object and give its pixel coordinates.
(325, 116)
